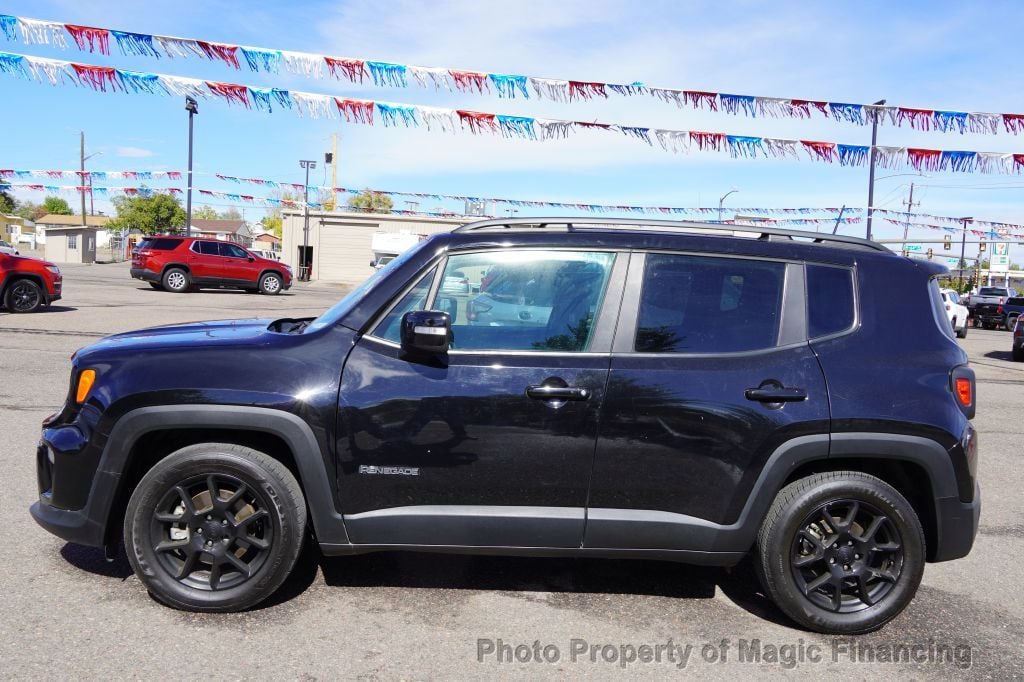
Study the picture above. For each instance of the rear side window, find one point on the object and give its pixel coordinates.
(830, 305)
(1015, 301)
(160, 244)
(696, 304)
(207, 248)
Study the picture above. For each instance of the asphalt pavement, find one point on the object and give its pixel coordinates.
(67, 613)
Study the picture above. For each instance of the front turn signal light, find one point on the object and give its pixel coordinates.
(85, 381)
(963, 390)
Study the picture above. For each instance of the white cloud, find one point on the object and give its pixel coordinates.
(134, 152)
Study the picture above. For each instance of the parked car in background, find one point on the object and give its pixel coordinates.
(455, 283)
(268, 255)
(956, 313)
(27, 284)
(987, 306)
(380, 261)
(8, 248)
(180, 264)
(1018, 339)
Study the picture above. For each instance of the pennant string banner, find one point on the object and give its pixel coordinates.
(385, 74)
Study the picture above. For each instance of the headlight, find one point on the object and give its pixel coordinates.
(54, 269)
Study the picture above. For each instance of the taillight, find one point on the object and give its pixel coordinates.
(999, 308)
(963, 386)
(1000, 299)
(963, 391)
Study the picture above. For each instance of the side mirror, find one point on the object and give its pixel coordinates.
(426, 332)
(251, 259)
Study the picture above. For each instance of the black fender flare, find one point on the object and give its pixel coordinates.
(297, 435)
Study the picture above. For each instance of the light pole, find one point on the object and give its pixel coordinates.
(84, 176)
(871, 163)
(720, 201)
(305, 262)
(963, 244)
(192, 107)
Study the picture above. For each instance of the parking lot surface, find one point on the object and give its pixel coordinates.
(65, 612)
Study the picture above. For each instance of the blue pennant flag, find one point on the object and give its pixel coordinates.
(135, 82)
(384, 73)
(733, 103)
(392, 115)
(9, 26)
(740, 145)
(266, 60)
(854, 113)
(508, 86)
(140, 44)
(635, 88)
(638, 133)
(852, 154)
(958, 162)
(13, 64)
(951, 120)
(517, 126)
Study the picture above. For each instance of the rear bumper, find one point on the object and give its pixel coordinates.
(145, 275)
(957, 526)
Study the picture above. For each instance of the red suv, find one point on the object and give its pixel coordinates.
(27, 284)
(182, 263)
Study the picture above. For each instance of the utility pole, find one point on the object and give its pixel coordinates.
(875, 113)
(835, 228)
(722, 200)
(192, 107)
(963, 245)
(81, 140)
(910, 207)
(334, 170)
(305, 262)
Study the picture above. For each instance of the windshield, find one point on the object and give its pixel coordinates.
(342, 307)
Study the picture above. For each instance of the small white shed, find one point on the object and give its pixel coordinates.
(71, 244)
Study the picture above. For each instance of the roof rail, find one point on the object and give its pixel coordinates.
(572, 224)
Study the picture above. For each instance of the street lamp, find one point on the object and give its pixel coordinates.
(88, 175)
(732, 191)
(192, 107)
(963, 244)
(306, 261)
(871, 163)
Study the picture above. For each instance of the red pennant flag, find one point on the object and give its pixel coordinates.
(230, 92)
(1018, 162)
(823, 151)
(585, 90)
(697, 99)
(357, 110)
(588, 124)
(924, 159)
(95, 37)
(803, 106)
(352, 69)
(478, 122)
(97, 77)
(1014, 123)
(467, 81)
(225, 53)
(708, 141)
(919, 119)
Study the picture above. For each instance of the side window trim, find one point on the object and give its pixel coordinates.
(790, 323)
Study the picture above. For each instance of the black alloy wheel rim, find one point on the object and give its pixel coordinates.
(25, 296)
(847, 556)
(212, 532)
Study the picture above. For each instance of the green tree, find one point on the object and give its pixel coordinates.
(204, 213)
(56, 206)
(154, 214)
(231, 214)
(369, 201)
(272, 222)
(7, 202)
(30, 210)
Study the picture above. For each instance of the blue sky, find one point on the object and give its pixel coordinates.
(942, 55)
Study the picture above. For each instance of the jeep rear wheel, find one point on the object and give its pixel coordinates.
(270, 283)
(215, 527)
(841, 552)
(176, 280)
(23, 296)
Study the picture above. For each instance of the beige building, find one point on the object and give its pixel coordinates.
(341, 245)
(73, 244)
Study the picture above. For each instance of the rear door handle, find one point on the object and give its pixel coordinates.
(557, 393)
(773, 394)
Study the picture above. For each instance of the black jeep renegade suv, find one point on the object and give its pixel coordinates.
(601, 388)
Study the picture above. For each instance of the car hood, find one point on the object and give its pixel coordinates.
(190, 335)
(14, 260)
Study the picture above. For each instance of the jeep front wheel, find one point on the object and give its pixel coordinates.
(841, 552)
(215, 527)
(23, 296)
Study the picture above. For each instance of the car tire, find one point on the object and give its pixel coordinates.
(270, 284)
(23, 296)
(215, 527)
(176, 281)
(841, 537)
(1011, 322)
(157, 286)
(1018, 354)
(962, 333)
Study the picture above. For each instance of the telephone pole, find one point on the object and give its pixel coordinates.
(876, 113)
(81, 156)
(910, 207)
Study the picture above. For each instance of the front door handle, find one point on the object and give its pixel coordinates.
(557, 393)
(776, 394)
